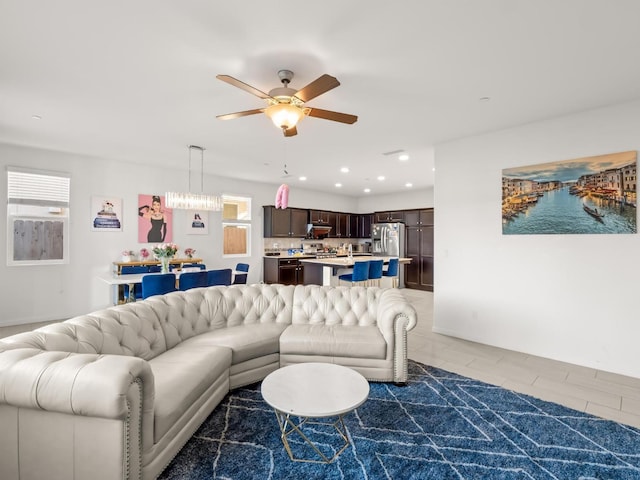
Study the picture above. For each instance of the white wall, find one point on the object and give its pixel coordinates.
(39, 293)
(572, 298)
(422, 198)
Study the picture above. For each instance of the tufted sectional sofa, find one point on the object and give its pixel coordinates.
(116, 393)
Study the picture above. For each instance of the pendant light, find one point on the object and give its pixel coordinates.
(194, 201)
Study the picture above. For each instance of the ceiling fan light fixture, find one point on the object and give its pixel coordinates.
(284, 115)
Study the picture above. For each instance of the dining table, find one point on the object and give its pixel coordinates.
(131, 279)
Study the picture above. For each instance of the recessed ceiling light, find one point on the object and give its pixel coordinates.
(344, 169)
(338, 185)
(302, 179)
(404, 157)
(408, 185)
(367, 190)
(433, 169)
(36, 117)
(381, 177)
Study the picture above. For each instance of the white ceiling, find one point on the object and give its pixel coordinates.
(135, 79)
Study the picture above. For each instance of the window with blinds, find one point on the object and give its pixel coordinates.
(37, 217)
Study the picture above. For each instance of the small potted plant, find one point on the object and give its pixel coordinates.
(127, 255)
(144, 254)
(189, 252)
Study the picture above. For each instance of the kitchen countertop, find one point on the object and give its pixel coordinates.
(345, 262)
(286, 256)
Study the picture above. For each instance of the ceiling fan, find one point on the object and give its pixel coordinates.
(286, 105)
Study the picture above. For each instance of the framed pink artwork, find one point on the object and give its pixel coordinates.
(155, 220)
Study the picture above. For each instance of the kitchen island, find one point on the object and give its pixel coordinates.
(325, 271)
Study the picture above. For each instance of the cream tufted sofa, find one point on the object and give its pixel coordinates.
(116, 393)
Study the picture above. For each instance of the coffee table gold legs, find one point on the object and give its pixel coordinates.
(288, 426)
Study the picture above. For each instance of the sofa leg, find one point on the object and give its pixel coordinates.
(400, 384)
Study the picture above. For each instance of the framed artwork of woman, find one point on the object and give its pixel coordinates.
(155, 220)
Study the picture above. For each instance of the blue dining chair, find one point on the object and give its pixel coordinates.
(219, 277)
(158, 284)
(241, 278)
(360, 273)
(375, 272)
(392, 271)
(192, 280)
(137, 288)
(201, 266)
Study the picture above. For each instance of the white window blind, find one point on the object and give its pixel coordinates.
(37, 188)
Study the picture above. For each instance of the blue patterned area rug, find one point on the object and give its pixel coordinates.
(439, 426)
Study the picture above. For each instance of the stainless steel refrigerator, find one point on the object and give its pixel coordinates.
(387, 239)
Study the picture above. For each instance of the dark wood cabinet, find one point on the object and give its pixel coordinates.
(419, 248)
(340, 229)
(353, 226)
(397, 216)
(365, 221)
(320, 217)
(288, 222)
(288, 271)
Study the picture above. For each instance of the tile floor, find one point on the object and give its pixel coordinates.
(607, 395)
(604, 394)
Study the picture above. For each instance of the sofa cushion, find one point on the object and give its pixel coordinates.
(181, 376)
(246, 341)
(333, 340)
(132, 329)
(184, 315)
(314, 304)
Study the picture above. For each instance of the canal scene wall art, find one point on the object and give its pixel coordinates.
(582, 196)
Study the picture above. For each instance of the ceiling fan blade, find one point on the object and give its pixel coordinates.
(244, 86)
(231, 116)
(319, 86)
(290, 132)
(335, 116)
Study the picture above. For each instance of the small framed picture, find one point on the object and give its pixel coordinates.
(106, 214)
(197, 222)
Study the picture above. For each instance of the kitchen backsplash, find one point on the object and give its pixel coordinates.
(285, 244)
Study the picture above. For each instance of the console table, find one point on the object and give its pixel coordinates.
(117, 266)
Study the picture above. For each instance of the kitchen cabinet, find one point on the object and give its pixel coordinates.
(419, 248)
(288, 222)
(353, 226)
(382, 217)
(319, 217)
(340, 230)
(365, 222)
(287, 271)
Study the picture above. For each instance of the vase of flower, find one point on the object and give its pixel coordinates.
(164, 264)
(164, 253)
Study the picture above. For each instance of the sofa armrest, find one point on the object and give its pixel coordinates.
(396, 316)
(393, 307)
(73, 383)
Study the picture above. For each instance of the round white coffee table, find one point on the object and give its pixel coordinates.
(312, 391)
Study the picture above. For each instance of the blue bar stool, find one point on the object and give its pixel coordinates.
(392, 271)
(375, 272)
(360, 273)
(158, 284)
